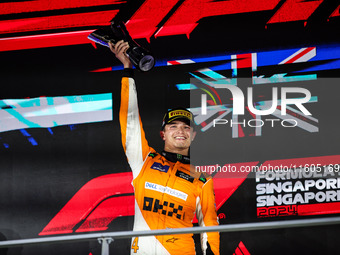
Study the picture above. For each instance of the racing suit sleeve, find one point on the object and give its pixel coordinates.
(133, 137)
(207, 216)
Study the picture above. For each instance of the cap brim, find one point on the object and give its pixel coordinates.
(183, 119)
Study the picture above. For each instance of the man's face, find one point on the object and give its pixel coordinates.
(177, 136)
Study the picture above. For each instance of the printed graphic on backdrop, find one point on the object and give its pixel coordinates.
(177, 18)
(276, 103)
(306, 186)
(62, 166)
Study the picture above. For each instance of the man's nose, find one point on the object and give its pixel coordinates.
(181, 129)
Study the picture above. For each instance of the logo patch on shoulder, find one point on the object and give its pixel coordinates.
(202, 178)
(160, 167)
(152, 155)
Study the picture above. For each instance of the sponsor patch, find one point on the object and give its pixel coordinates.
(180, 113)
(152, 155)
(172, 240)
(166, 190)
(160, 167)
(184, 176)
(202, 178)
(167, 208)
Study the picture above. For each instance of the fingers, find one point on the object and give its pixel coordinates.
(112, 47)
(119, 48)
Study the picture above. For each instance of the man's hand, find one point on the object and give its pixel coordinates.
(119, 49)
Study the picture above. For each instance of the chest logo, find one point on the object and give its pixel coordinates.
(160, 167)
(185, 176)
(167, 208)
(166, 190)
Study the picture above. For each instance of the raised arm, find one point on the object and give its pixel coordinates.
(133, 137)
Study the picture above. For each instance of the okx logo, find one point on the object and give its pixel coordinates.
(169, 209)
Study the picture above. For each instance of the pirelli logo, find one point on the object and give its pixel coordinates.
(180, 113)
(170, 209)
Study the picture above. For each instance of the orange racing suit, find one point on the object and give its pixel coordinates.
(168, 191)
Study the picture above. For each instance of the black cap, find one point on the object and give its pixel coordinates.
(178, 114)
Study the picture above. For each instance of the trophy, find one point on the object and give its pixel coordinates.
(140, 57)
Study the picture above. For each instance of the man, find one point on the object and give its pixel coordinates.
(168, 191)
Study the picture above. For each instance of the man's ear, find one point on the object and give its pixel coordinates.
(162, 134)
(193, 135)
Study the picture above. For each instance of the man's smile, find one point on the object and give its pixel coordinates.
(180, 138)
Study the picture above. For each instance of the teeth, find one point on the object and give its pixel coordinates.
(181, 138)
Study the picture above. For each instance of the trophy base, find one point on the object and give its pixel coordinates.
(146, 63)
